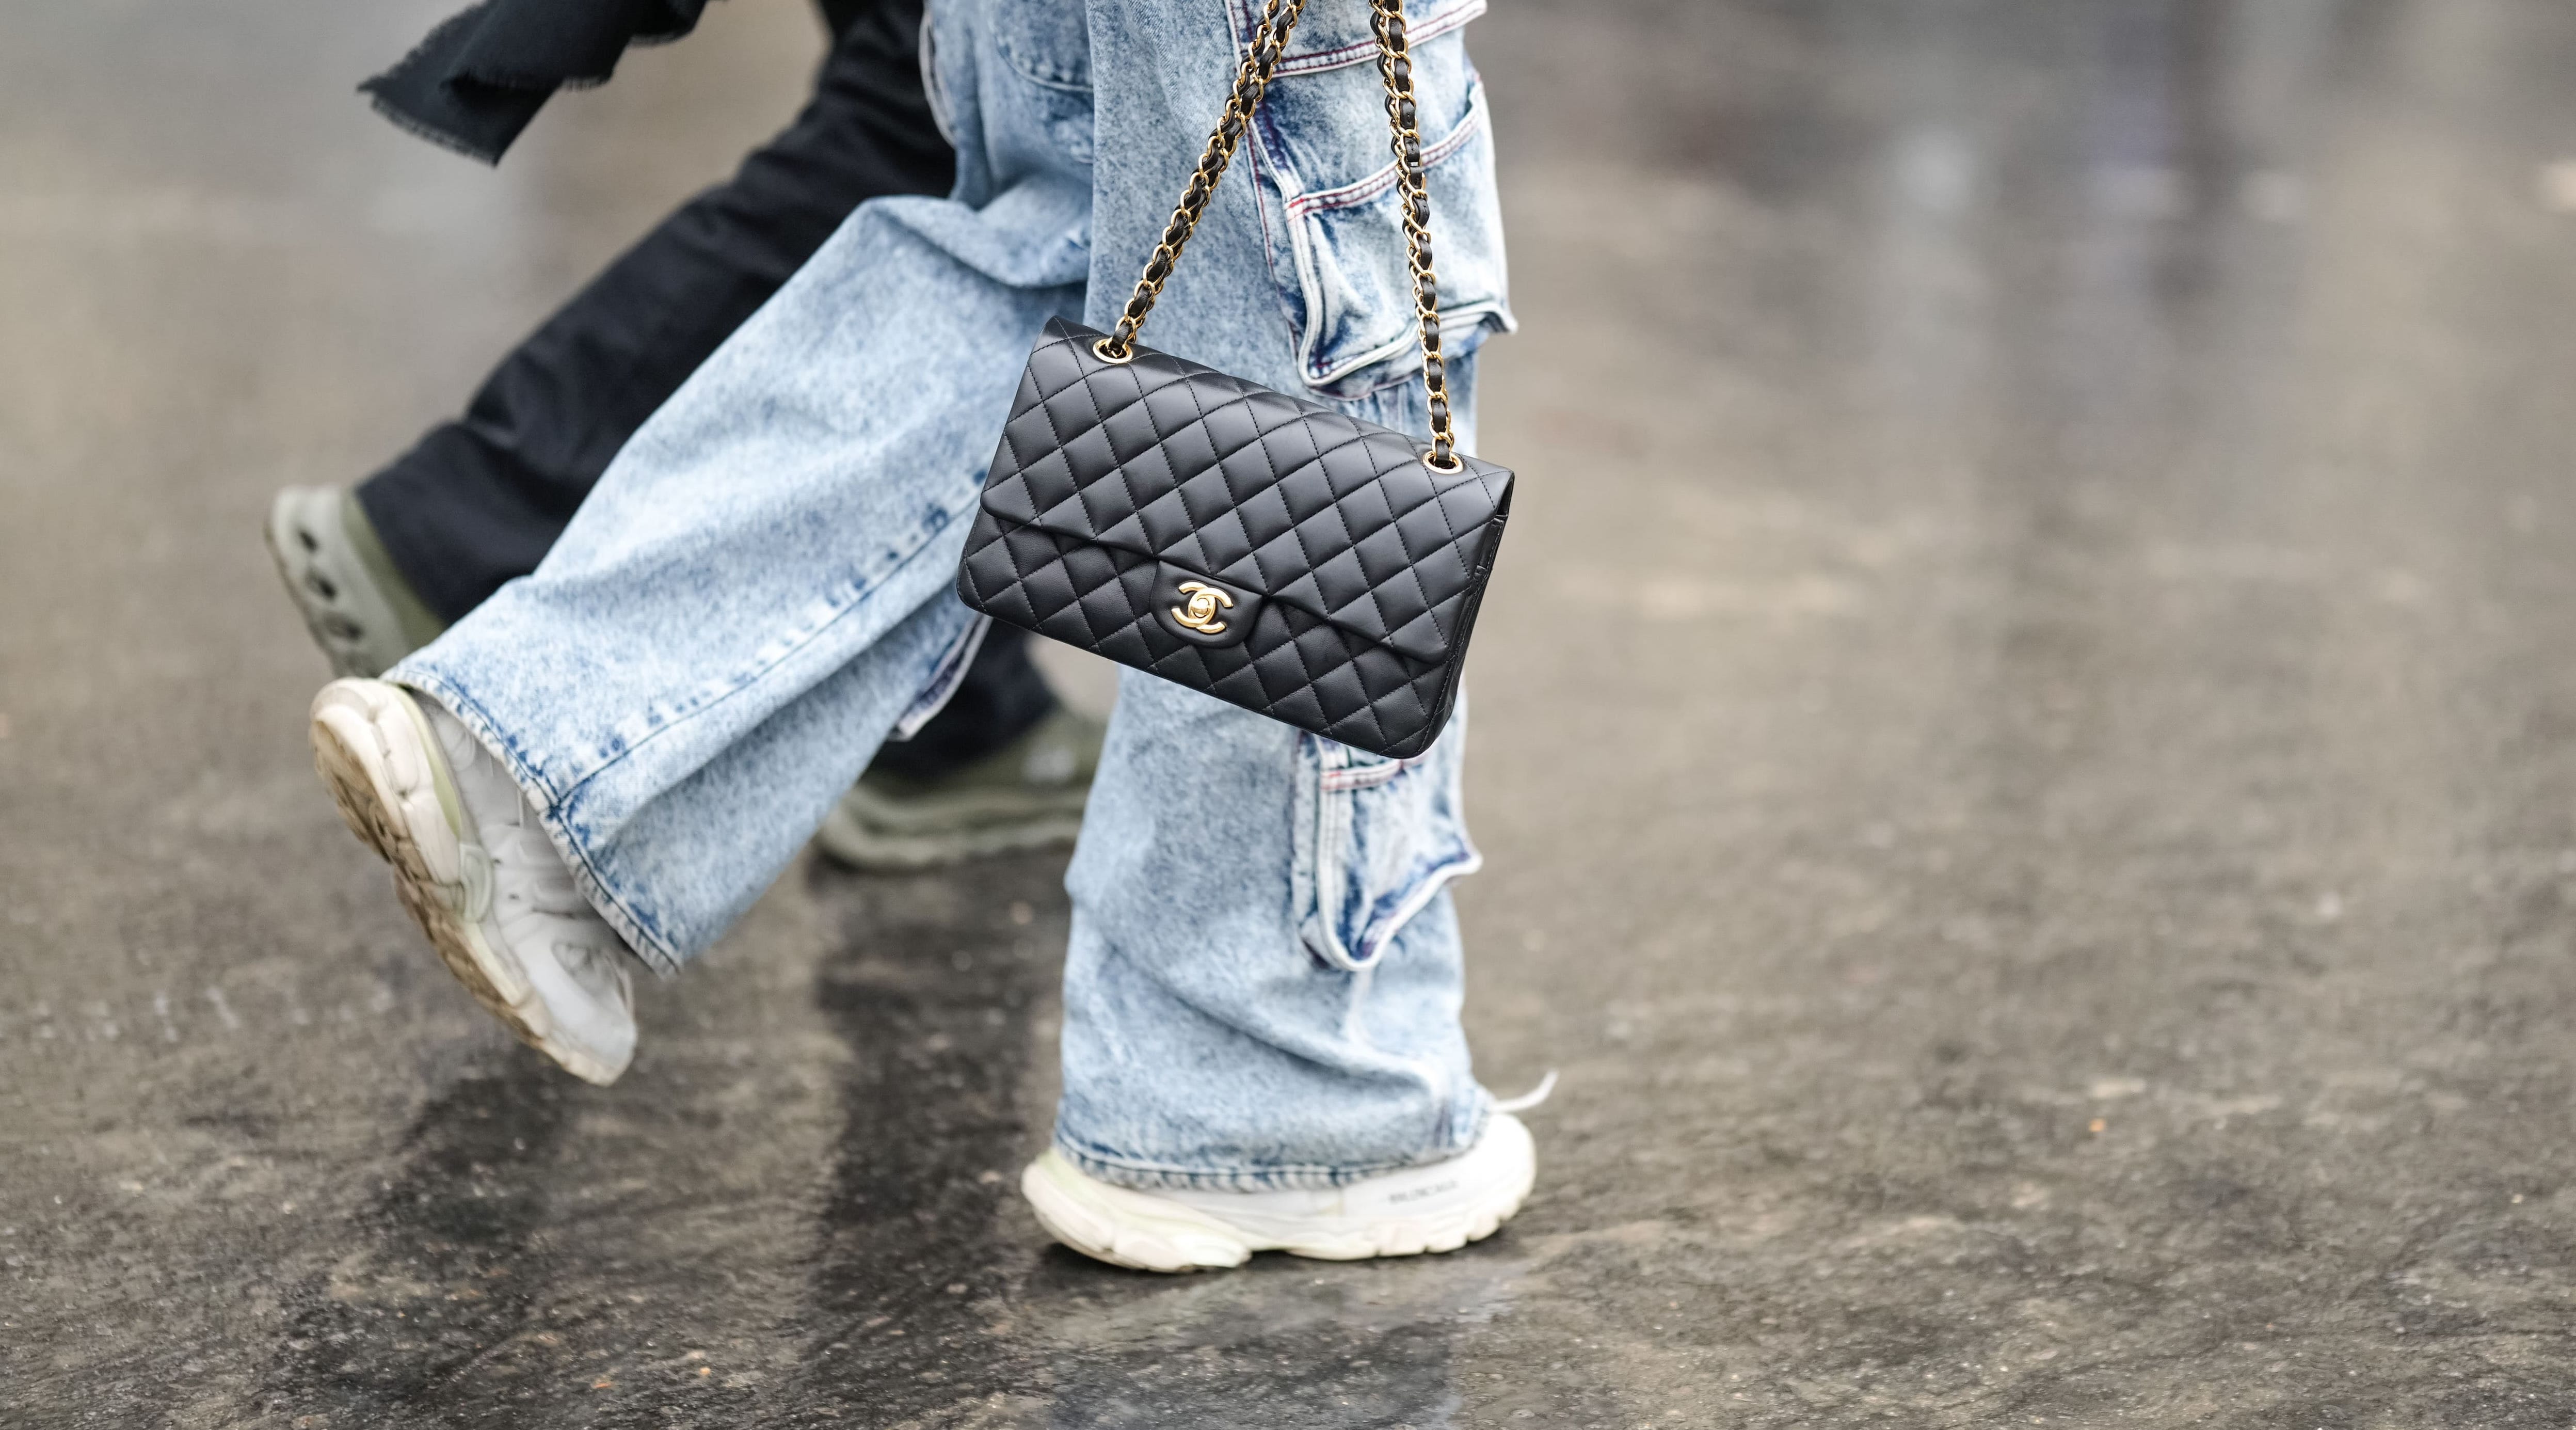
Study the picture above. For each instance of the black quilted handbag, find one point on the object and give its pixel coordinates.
(1270, 551)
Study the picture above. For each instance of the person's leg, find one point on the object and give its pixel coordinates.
(1261, 1037)
(1290, 938)
(757, 593)
(480, 500)
(1261, 1040)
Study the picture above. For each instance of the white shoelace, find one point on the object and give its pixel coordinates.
(1531, 1098)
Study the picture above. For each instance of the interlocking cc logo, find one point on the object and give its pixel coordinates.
(1200, 614)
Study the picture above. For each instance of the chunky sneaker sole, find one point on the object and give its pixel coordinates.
(374, 750)
(1441, 1207)
(866, 831)
(1024, 797)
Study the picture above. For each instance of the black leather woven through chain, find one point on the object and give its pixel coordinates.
(1340, 575)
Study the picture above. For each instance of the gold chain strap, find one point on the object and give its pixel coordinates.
(1395, 64)
(1269, 38)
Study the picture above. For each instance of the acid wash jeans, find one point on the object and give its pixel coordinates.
(1264, 980)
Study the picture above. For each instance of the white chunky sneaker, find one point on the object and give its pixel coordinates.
(1440, 1207)
(477, 873)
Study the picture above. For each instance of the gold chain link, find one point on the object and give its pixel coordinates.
(1260, 62)
(1395, 62)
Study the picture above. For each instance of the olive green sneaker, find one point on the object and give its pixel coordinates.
(362, 613)
(1027, 795)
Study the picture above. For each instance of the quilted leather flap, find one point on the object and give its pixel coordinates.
(1304, 504)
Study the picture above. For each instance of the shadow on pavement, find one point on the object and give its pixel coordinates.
(499, 1275)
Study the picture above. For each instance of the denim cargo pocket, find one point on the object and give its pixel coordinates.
(1048, 43)
(1331, 212)
(1375, 840)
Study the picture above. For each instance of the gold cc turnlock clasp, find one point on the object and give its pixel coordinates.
(1200, 614)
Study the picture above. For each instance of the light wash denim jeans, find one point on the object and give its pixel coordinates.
(1264, 981)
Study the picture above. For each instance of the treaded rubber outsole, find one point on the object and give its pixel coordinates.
(360, 779)
(1143, 1232)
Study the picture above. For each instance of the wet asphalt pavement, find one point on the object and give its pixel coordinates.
(2026, 750)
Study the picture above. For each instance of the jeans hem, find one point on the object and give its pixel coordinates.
(1144, 1174)
(657, 950)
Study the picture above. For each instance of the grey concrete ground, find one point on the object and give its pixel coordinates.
(2025, 744)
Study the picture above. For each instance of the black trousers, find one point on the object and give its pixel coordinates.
(480, 500)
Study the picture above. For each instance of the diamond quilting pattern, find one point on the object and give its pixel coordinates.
(1372, 563)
